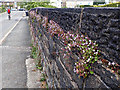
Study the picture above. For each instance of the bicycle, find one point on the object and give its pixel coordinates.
(9, 16)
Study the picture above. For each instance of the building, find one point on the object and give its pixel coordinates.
(70, 3)
(0, 3)
(113, 1)
(63, 3)
(8, 3)
(73, 3)
(11, 4)
(56, 3)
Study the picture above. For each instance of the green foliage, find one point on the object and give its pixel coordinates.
(47, 87)
(91, 72)
(10, 5)
(30, 5)
(64, 7)
(82, 6)
(97, 2)
(34, 53)
(21, 4)
(40, 68)
(2, 9)
(96, 5)
(35, 56)
(43, 78)
(111, 5)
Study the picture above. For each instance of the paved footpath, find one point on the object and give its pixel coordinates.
(15, 50)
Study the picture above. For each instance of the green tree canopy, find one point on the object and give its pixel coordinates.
(97, 2)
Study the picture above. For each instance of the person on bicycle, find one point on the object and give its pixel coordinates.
(9, 11)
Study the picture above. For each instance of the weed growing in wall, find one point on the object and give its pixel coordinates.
(33, 53)
(35, 50)
(82, 46)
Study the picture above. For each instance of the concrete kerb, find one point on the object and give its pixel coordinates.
(33, 74)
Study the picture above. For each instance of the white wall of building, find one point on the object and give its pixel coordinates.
(56, 3)
(0, 4)
(106, 1)
(116, 1)
(84, 2)
(73, 3)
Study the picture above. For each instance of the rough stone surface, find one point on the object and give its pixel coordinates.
(100, 25)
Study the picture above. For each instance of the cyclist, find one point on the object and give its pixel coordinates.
(9, 11)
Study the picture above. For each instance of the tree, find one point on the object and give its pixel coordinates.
(97, 2)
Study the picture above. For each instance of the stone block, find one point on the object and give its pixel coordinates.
(108, 77)
(93, 82)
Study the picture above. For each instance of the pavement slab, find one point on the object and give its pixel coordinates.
(15, 50)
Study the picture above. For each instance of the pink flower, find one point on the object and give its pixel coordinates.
(68, 32)
(81, 35)
(44, 25)
(74, 70)
(72, 35)
(113, 63)
(67, 37)
(69, 48)
(73, 43)
(77, 36)
(77, 71)
(88, 60)
(109, 63)
(64, 56)
(58, 35)
(83, 51)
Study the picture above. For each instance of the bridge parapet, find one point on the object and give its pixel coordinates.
(98, 24)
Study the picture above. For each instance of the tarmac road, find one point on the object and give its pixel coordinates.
(14, 48)
(8, 24)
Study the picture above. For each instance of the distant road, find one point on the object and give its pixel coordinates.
(8, 24)
(14, 48)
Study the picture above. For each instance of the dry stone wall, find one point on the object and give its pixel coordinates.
(99, 24)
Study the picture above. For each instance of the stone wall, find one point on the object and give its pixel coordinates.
(99, 24)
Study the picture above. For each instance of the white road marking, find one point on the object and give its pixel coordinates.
(9, 32)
